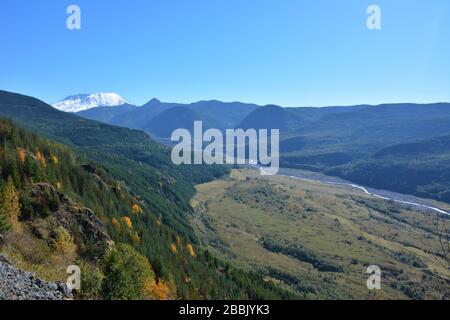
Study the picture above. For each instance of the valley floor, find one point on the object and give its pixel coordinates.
(318, 239)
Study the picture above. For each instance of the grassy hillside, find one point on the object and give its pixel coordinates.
(318, 239)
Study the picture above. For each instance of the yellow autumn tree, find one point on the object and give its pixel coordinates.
(161, 290)
(11, 205)
(136, 209)
(136, 238)
(63, 244)
(173, 248)
(40, 157)
(54, 159)
(128, 222)
(21, 154)
(191, 250)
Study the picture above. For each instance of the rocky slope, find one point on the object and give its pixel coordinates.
(16, 284)
(41, 232)
(81, 222)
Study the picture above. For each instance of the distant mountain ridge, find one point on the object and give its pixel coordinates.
(213, 113)
(352, 142)
(81, 102)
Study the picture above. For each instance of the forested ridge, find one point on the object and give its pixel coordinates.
(141, 199)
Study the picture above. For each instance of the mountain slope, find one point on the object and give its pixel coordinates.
(50, 186)
(167, 121)
(219, 114)
(227, 115)
(106, 114)
(345, 140)
(270, 117)
(420, 168)
(141, 116)
(158, 226)
(165, 186)
(390, 146)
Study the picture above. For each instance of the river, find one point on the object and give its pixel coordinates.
(404, 199)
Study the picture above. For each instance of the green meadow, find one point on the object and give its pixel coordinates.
(317, 240)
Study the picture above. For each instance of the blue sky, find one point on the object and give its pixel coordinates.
(286, 52)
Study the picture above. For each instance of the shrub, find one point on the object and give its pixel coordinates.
(127, 274)
(63, 244)
(91, 282)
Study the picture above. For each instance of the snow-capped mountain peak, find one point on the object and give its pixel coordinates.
(82, 102)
